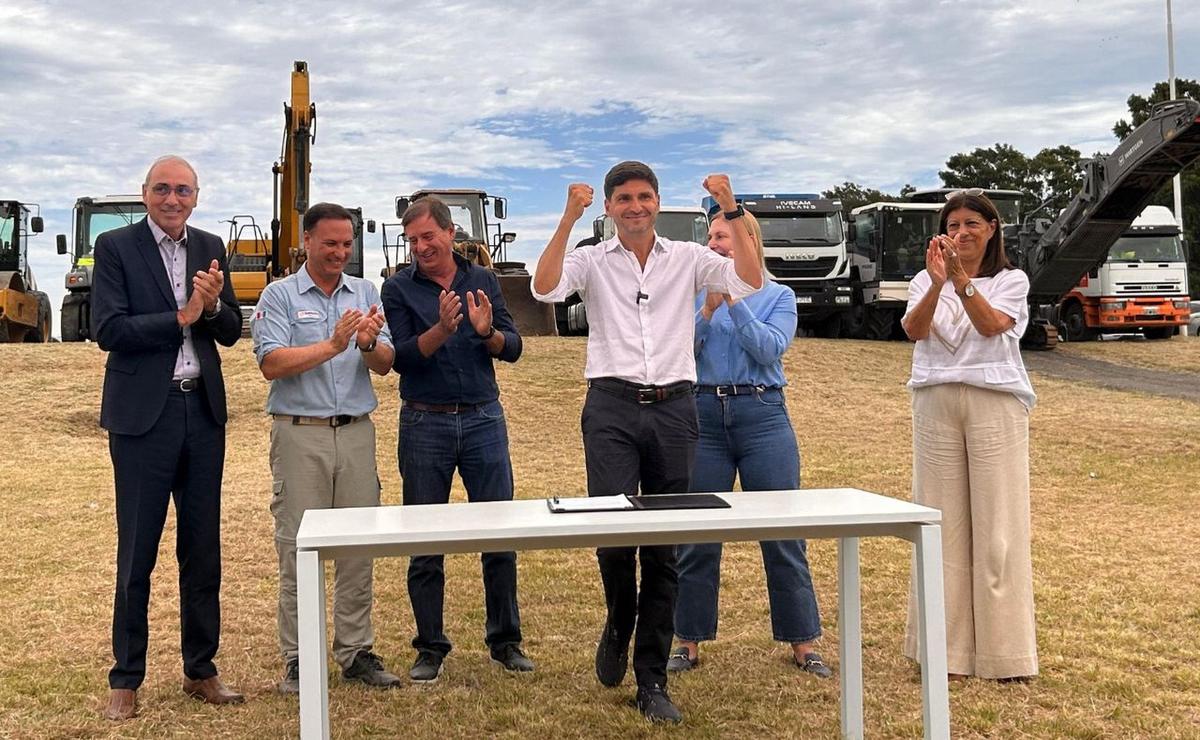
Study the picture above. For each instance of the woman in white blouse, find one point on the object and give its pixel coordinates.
(971, 400)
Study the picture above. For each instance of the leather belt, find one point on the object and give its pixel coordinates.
(442, 408)
(642, 394)
(722, 391)
(340, 420)
(186, 385)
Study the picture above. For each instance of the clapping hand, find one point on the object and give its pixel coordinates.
(479, 311)
(345, 329)
(449, 311)
(369, 327)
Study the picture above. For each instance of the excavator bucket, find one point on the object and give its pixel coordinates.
(533, 318)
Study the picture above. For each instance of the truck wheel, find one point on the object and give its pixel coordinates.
(74, 318)
(830, 328)
(1159, 332)
(878, 324)
(1074, 325)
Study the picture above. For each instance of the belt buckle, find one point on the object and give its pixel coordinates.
(187, 385)
(340, 420)
(723, 393)
(647, 395)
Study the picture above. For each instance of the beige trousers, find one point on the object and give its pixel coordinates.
(316, 467)
(971, 461)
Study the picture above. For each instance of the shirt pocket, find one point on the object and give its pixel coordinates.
(1001, 375)
(308, 329)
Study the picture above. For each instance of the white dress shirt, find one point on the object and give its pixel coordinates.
(174, 257)
(640, 322)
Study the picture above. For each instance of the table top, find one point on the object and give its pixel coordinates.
(529, 524)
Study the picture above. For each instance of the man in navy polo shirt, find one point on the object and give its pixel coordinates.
(448, 322)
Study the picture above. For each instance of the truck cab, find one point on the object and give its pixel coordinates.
(804, 243)
(1142, 284)
(90, 218)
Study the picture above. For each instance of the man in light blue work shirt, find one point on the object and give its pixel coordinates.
(316, 334)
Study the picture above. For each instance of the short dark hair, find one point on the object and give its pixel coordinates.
(626, 171)
(430, 205)
(994, 257)
(318, 212)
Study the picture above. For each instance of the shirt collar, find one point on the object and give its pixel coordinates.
(305, 282)
(158, 234)
(614, 244)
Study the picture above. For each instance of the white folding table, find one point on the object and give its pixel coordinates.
(846, 514)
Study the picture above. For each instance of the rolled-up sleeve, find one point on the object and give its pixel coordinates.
(270, 326)
(576, 265)
(714, 272)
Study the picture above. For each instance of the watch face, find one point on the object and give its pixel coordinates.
(969, 290)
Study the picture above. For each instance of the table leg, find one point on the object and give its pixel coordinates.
(932, 637)
(314, 663)
(850, 637)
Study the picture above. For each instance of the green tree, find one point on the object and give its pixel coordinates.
(1001, 167)
(1058, 175)
(852, 195)
(1139, 112)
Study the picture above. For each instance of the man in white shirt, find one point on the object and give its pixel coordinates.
(639, 420)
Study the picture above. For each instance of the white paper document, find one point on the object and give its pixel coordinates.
(589, 503)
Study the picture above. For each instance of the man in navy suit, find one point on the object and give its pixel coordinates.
(161, 299)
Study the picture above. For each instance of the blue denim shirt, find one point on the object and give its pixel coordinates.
(461, 370)
(744, 345)
(294, 312)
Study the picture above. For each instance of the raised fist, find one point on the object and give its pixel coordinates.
(579, 197)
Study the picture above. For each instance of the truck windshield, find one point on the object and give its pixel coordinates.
(106, 218)
(905, 239)
(682, 227)
(811, 228)
(1146, 249)
(8, 250)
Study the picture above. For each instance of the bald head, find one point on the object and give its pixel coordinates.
(171, 159)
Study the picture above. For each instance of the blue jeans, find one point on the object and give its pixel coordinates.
(749, 436)
(431, 446)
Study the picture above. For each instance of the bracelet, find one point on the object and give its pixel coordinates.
(491, 333)
(370, 347)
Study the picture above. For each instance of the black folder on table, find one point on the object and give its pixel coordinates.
(627, 503)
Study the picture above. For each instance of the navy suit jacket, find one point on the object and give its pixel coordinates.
(133, 319)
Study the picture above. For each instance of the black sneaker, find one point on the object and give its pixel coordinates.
(427, 668)
(512, 658)
(368, 668)
(612, 657)
(681, 660)
(291, 678)
(656, 706)
(813, 664)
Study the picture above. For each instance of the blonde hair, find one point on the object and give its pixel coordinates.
(752, 228)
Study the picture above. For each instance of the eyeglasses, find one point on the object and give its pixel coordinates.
(183, 191)
(964, 191)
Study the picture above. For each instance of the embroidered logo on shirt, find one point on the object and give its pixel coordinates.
(956, 313)
(300, 315)
(260, 314)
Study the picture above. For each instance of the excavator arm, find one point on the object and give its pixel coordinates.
(292, 175)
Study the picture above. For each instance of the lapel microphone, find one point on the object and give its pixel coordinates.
(641, 297)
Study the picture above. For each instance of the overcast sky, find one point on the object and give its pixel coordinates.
(522, 100)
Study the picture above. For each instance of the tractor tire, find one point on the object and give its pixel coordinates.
(75, 318)
(1074, 326)
(40, 334)
(879, 324)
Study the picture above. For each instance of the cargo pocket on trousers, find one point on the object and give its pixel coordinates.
(276, 497)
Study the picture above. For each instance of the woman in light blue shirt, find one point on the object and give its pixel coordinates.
(745, 432)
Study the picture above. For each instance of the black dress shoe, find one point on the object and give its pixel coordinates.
(656, 706)
(612, 657)
(368, 668)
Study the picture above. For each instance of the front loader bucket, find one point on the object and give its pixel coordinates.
(532, 317)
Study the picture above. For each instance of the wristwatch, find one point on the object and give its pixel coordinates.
(370, 347)
(737, 212)
(968, 290)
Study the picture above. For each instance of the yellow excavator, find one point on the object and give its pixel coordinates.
(254, 260)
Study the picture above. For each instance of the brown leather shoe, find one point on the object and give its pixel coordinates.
(122, 705)
(211, 691)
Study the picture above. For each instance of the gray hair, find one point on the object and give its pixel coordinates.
(172, 158)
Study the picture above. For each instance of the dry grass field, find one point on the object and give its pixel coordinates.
(1115, 502)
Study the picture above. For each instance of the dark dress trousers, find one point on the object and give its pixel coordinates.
(164, 442)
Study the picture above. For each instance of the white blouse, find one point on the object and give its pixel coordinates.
(955, 352)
